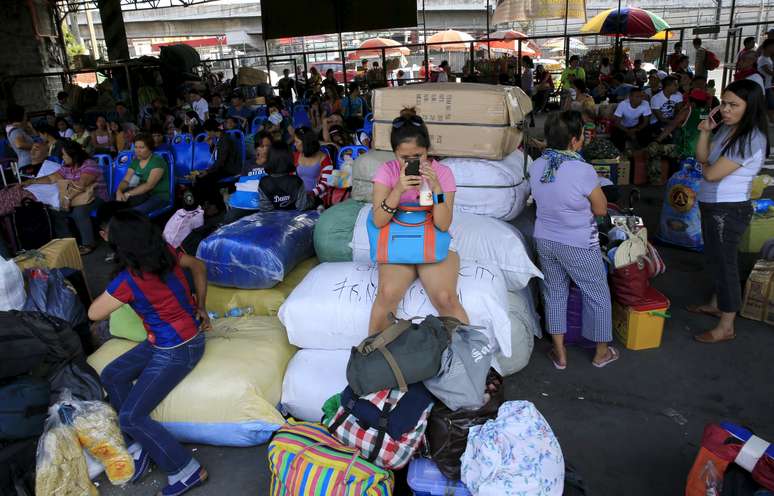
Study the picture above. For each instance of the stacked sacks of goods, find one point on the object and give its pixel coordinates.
(328, 312)
(230, 397)
(264, 256)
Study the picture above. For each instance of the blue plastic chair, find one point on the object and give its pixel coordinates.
(368, 124)
(182, 151)
(355, 152)
(257, 124)
(202, 157)
(120, 166)
(301, 116)
(171, 205)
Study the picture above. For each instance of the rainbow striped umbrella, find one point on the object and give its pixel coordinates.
(631, 21)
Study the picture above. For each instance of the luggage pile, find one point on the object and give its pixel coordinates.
(372, 393)
(762, 224)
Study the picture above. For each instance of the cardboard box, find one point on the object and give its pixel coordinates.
(607, 168)
(56, 254)
(464, 120)
(758, 303)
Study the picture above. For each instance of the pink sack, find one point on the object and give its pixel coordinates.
(181, 224)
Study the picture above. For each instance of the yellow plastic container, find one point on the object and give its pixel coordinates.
(641, 327)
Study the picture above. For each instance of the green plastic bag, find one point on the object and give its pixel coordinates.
(333, 232)
(125, 323)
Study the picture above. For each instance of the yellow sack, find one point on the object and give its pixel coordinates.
(229, 398)
(61, 467)
(96, 425)
(263, 301)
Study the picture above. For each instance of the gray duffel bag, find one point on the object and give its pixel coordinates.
(402, 354)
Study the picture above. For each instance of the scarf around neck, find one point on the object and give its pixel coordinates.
(554, 159)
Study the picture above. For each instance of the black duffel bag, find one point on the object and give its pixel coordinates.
(447, 431)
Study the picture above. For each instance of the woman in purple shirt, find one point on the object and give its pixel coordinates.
(81, 172)
(568, 196)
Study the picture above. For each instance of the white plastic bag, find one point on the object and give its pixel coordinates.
(180, 225)
(12, 294)
(331, 307)
(311, 378)
(494, 188)
(524, 327)
(477, 239)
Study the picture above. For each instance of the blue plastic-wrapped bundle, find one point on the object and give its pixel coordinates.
(680, 223)
(256, 252)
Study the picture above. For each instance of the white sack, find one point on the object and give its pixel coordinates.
(311, 378)
(524, 327)
(494, 188)
(331, 307)
(363, 169)
(477, 239)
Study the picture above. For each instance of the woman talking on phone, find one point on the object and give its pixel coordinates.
(413, 182)
(731, 158)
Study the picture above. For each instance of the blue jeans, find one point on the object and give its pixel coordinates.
(147, 203)
(157, 372)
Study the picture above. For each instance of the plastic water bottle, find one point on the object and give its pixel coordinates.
(233, 312)
(239, 312)
(425, 194)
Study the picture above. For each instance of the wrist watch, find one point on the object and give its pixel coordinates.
(439, 198)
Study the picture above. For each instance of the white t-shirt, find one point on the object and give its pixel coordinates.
(630, 117)
(665, 105)
(67, 133)
(201, 107)
(758, 79)
(736, 186)
(764, 61)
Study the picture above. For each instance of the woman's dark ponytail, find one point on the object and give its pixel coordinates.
(409, 127)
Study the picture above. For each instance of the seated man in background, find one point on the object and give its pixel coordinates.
(632, 122)
(239, 111)
(225, 162)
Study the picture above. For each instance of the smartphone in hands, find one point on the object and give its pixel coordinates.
(412, 167)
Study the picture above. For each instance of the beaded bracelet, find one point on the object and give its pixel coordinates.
(388, 208)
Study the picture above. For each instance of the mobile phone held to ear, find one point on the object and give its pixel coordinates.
(412, 167)
(717, 118)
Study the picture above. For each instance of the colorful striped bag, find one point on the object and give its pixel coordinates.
(305, 460)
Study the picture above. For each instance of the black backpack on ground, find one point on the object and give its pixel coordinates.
(31, 225)
(35, 343)
(17, 467)
(24, 401)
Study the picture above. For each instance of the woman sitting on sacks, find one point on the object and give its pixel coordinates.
(397, 186)
(152, 282)
(568, 196)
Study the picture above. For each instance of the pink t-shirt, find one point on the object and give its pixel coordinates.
(389, 175)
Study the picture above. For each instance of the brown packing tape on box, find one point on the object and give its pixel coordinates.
(464, 120)
(759, 291)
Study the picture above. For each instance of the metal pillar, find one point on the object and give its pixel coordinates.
(618, 47)
(731, 32)
(488, 45)
(113, 29)
(566, 39)
(424, 28)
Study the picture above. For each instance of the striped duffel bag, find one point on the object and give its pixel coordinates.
(304, 459)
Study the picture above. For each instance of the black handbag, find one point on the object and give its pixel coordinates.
(447, 430)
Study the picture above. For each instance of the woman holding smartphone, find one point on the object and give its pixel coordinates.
(398, 182)
(731, 158)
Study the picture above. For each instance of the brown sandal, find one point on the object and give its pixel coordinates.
(703, 310)
(709, 338)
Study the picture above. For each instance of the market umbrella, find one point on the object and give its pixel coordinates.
(576, 45)
(633, 22)
(462, 41)
(510, 47)
(512, 34)
(663, 35)
(372, 49)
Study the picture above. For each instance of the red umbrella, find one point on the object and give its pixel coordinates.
(511, 47)
(512, 34)
(370, 49)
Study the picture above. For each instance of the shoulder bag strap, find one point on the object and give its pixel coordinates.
(381, 429)
(385, 337)
(395, 368)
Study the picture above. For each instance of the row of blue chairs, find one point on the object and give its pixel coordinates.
(114, 170)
